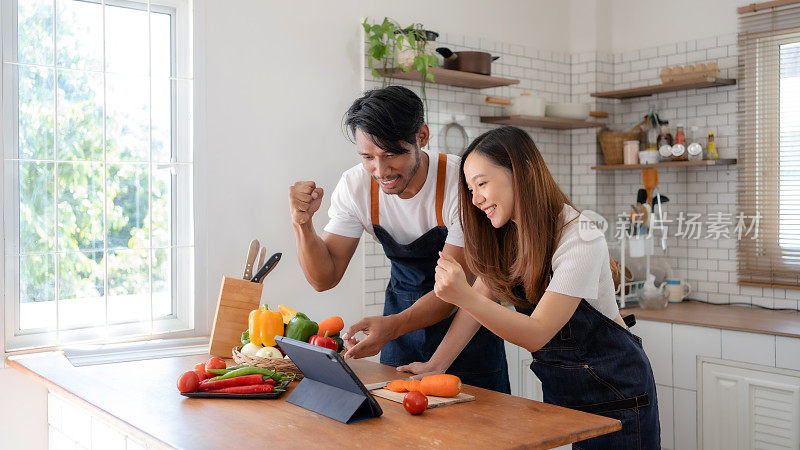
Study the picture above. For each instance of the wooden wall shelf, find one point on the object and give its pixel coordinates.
(451, 78)
(708, 162)
(553, 123)
(646, 91)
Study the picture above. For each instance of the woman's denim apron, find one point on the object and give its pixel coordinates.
(483, 362)
(597, 366)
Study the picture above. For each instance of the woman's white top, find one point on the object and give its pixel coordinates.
(581, 265)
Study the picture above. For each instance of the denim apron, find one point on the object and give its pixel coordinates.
(595, 365)
(483, 362)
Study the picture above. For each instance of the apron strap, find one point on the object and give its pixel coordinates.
(440, 174)
(373, 199)
(441, 169)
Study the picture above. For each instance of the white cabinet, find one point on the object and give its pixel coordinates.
(743, 406)
(523, 382)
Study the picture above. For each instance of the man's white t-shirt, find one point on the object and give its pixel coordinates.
(581, 266)
(404, 219)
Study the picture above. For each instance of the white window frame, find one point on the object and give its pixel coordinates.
(182, 322)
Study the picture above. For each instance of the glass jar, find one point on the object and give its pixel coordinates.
(664, 137)
(679, 152)
(694, 151)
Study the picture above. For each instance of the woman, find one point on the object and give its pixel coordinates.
(526, 244)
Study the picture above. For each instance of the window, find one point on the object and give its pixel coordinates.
(97, 175)
(769, 130)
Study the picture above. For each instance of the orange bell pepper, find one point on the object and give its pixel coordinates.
(287, 313)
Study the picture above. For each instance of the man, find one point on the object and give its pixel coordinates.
(407, 199)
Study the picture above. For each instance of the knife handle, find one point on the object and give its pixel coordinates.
(266, 268)
(252, 254)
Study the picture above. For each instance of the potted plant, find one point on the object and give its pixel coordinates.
(391, 44)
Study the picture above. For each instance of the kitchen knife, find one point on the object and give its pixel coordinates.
(251, 259)
(266, 268)
(373, 386)
(262, 255)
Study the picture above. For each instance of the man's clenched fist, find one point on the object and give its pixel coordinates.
(304, 200)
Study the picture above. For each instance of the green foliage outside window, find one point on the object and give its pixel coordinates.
(82, 193)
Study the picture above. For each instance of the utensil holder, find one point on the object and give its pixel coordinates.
(237, 297)
(641, 245)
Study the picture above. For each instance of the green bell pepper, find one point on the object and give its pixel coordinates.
(339, 342)
(301, 328)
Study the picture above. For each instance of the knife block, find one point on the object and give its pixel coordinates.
(237, 297)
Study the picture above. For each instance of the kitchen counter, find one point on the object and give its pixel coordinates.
(726, 317)
(141, 398)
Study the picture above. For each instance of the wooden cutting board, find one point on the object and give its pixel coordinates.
(433, 402)
(237, 297)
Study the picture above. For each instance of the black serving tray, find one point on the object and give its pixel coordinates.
(260, 395)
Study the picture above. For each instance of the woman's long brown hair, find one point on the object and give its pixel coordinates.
(516, 253)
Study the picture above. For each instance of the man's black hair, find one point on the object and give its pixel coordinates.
(389, 116)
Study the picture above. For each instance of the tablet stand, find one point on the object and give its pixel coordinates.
(330, 401)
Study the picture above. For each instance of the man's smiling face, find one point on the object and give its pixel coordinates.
(393, 172)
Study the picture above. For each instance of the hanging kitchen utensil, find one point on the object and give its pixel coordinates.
(650, 181)
(641, 196)
(658, 197)
(252, 253)
(659, 217)
(467, 61)
(453, 138)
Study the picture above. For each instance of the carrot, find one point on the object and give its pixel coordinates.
(398, 386)
(332, 325)
(441, 385)
(414, 385)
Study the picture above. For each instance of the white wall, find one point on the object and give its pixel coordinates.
(623, 25)
(277, 79)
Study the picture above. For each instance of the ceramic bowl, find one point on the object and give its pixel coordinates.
(577, 111)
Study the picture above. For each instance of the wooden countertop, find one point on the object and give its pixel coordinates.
(141, 397)
(726, 317)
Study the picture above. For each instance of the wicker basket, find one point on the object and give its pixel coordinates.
(280, 365)
(611, 142)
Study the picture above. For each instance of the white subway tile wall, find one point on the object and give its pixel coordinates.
(708, 262)
(543, 73)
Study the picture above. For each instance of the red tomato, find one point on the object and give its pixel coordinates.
(215, 362)
(188, 382)
(200, 366)
(415, 402)
(201, 374)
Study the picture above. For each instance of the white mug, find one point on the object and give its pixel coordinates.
(678, 290)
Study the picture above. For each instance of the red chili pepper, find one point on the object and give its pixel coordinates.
(270, 381)
(244, 380)
(251, 389)
(323, 341)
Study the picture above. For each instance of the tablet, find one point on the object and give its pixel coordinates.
(329, 387)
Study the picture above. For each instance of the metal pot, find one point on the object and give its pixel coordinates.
(475, 62)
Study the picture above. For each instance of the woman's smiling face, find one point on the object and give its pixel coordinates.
(492, 188)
